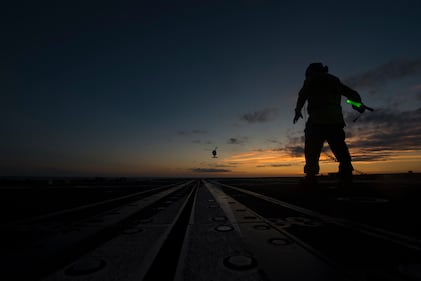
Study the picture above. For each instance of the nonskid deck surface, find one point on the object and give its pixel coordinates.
(222, 229)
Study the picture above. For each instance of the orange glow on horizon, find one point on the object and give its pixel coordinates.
(255, 163)
(280, 163)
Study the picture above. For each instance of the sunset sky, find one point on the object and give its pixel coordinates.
(150, 88)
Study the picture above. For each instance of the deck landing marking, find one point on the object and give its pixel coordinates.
(277, 254)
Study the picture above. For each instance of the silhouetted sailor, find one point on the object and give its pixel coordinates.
(323, 91)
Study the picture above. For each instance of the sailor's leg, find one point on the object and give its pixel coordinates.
(336, 140)
(314, 139)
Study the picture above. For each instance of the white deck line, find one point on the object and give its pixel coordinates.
(127, 257)
(397, 238)
(88, 206)
(292, 261)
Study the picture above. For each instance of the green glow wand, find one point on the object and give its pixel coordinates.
(354, 103)
(360, 107)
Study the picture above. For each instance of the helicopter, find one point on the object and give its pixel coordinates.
(214, 153)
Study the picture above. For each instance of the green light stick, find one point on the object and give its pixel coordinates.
(359, 105)
(354, 103)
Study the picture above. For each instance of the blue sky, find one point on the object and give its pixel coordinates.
(149, 89)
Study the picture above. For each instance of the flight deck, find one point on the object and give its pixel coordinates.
(212, 229)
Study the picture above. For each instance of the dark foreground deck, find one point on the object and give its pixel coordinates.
(211, 229)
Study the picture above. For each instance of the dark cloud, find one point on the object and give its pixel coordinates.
(371, 157)
(192, 132)
(293, 140)
(294, 146)
(274, 165)
(295, 150)
(201, 142)
(385, 131)
(195, 133)
(393, 70)
(274, 141)
(260, 116)
(229, 165)
(237, 140)
(209, 170)
(328, 154)
(377, 136)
